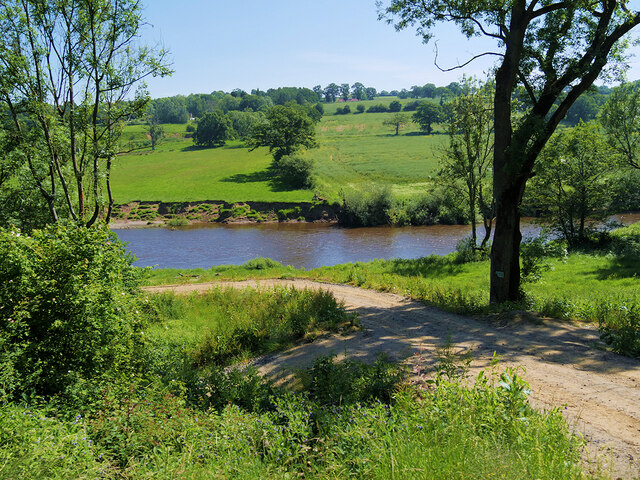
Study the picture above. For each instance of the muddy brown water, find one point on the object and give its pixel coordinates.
(303, 245)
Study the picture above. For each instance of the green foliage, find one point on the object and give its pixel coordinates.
(295, 172)
(243, 122)
(535, 253)
(571, 184)
(367, 208)
(213, 130)
(620, 327)
(620, 118)
(466, 163)
(348, 382)
(427, 114)
(261, 263)
(156, 134)
(379, 108)
(286, 129)
(398, 121)
(343, 110)
(395, 106)
(68, 304)
(65, 116)
(360, 108)
(222, 325)
(35, 444)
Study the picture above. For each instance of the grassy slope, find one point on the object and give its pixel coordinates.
(354, 150)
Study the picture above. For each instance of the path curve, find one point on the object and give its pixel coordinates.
(601, 390)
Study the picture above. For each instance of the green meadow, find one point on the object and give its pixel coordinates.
(354, 151)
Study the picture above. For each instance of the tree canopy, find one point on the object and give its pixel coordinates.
(427, 114)
(285, 130)
(213, 130)
(555, 50)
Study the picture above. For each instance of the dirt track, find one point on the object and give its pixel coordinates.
(601, 390)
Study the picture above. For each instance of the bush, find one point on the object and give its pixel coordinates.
(191, 128)
(365, 209)
(343, 383)
(424, 210)
(380, 108)
(343, 110)
(411, 106)
(68, 304)
(295, 172)
(360, 108)
(261, 263)
(619, 327)
(395, 106)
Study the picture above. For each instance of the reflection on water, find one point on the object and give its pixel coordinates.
(301, 245)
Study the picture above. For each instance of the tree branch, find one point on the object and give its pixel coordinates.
(475, 57)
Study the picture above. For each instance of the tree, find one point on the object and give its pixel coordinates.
(170, 110)
(286, 129)
(426, 114)
(585, 108)
(243, 123)
(398, 121)
(467, 159)
(620, 118)
(572, 181)
(555, 49)
(68, 73)
(331, 92)
(358, 91)
(213, 130)
(395, 106)
(156, 134)
(371, 93)
(344, 91)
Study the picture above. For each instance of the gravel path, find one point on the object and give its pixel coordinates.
(601, 390)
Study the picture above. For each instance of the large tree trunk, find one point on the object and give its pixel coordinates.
(507, 184)
(505, 250)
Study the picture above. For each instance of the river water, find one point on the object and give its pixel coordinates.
(303, 245)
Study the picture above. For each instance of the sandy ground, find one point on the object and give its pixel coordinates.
(598, 391)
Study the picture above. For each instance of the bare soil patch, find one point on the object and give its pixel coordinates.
(565, 365)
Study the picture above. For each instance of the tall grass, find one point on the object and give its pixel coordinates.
(450, 431)
(222, 325)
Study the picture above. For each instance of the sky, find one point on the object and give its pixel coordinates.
(247, 44)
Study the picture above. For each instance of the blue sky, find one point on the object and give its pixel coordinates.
(222, 45)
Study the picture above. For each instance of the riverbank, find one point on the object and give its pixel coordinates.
(143, 214)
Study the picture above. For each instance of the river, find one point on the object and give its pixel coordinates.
(303, 245)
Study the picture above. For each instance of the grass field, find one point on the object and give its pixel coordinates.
(355, 150)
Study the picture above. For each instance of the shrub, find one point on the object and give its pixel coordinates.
(68, 304)
(411, 106)
(360, 108)
(619, 327)
(424, 210)
(365, 209)
(332, 383)
(343, 110)
(295, 172)
(395, 106)
(261, 263)
(380, 108)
